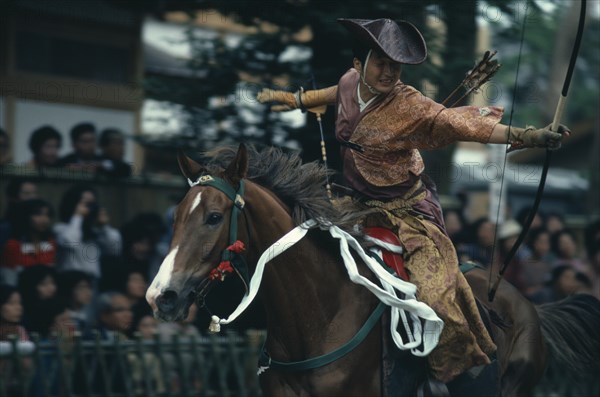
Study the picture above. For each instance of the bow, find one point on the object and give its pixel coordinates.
(555, 124)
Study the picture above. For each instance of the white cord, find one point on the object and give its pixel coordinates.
(425, 335)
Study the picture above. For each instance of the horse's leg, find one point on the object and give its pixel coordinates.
(521, 349)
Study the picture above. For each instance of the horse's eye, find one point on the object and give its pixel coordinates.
(214, 219)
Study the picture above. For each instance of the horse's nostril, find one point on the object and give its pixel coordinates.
(166, 301)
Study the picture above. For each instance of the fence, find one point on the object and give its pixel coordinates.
(188, 367)
(205, 366)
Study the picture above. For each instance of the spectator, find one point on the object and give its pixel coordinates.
(135, 288)
(44, 143)
(114, 315)
(84, 235)
(37, 284)
(31, 242)
(53, 324)
(455, 224)
(4, 148)
(112, 145)
(17, 190)
(84, 157)
(185, 330)
(507, 236)
(481, 243)
(75, 289)
(565, 249)
(523, 214)
(11, 313)
(51, 320)
(593, 271)
(144, 326)
(563, 282)
(141, 238)
(538, 267)
(555, 222)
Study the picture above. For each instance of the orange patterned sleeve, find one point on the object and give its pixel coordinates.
(429, 125)
(465, 123)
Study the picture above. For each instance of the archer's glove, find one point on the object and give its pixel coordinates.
(540, 138)
(287, 99)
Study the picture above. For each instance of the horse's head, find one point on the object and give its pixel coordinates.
(200, 237)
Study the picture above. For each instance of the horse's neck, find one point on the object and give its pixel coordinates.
(310, 302)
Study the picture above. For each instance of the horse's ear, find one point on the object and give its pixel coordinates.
(188, 167)
(238, 168)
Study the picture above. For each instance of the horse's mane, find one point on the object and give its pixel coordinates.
(301, 186)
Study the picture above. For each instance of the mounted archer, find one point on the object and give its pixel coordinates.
(382, 124)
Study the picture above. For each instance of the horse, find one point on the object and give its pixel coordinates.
(311, 306)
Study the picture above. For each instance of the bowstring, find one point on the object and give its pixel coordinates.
(510, 121)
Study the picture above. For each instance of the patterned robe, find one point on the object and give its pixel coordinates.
(391, 129)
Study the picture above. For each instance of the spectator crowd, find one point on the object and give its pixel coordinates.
(45, 144)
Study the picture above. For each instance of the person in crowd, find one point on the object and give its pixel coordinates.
(555, 222)
(75, 289)
(17, 190)
(84, 235)
(142, 238)
(135, 288)
(83, 157)
(592, 247)
(185, 330)
(455, 226)
(538, 219)
(44, 143)
(37, 284)
(5, 157)
(112, 147)
(144, 327)
(11, 314)
(52, 323)
(537, 268)
(481, 244)
(564, 246)
(507, 236)
(114, 315)
(564, 281)
(32, 241)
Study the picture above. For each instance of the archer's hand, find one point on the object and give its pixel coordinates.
(538, 138)
(287, 99)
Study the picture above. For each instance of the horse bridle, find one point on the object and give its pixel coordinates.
(231, 260)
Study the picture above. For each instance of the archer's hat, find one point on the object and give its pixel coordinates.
(401, 42)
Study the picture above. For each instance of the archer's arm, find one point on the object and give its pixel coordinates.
(296, 100)
(528, 137)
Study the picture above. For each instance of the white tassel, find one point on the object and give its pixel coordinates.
(214, 327)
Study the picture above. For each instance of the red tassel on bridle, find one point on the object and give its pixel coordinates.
(220, 272)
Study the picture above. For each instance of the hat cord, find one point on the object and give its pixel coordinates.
(364, 72)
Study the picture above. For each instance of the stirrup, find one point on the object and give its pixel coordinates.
(432, 388)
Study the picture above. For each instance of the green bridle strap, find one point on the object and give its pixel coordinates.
(237, 197)
(316, 362)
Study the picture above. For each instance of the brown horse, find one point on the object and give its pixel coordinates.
(311, 305)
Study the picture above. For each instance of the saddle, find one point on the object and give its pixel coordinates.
(390, 247)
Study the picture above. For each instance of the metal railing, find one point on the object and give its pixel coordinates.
(223, 365)
(184, 366)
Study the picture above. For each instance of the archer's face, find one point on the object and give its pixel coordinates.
(382, 73)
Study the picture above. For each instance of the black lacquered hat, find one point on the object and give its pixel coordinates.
(401, 42)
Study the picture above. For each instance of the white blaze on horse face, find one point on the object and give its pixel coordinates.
(162, 279)
(196, 202)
